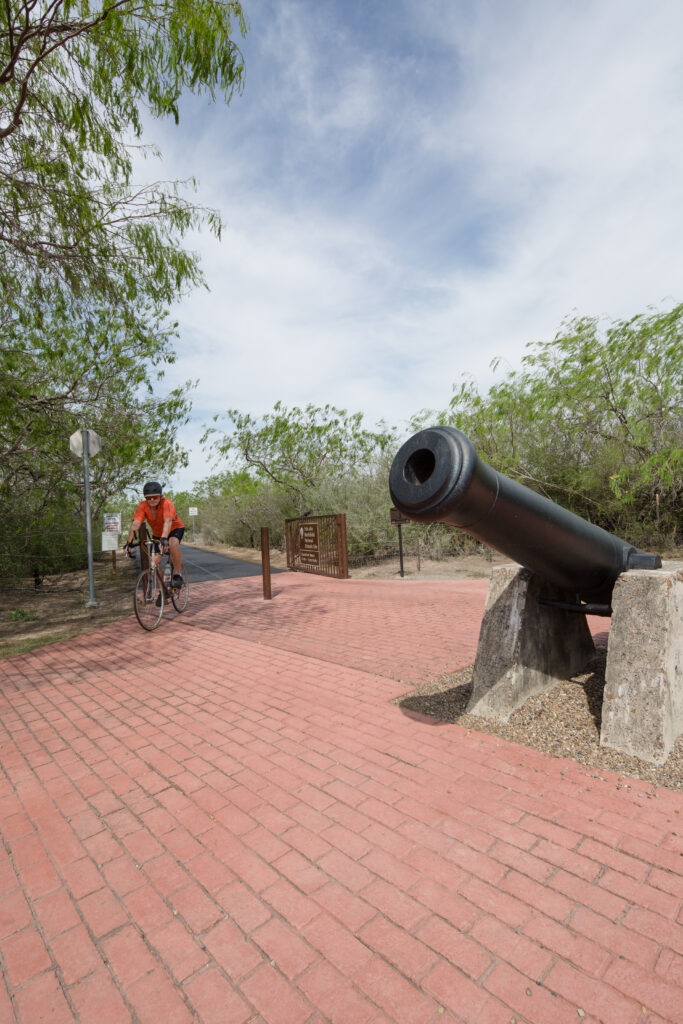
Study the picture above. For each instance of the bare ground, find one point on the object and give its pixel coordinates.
(31, 617)
(473, 566)
(562, 722)
(465, 567)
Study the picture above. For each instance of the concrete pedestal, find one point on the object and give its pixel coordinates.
(642, 710)
(524, 647)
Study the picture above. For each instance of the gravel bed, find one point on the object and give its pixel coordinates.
(562, 722)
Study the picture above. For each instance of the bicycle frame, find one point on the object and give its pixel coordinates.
(152, 592)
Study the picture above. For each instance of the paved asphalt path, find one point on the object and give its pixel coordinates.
(203, 566)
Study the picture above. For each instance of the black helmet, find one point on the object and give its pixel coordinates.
(153, 487)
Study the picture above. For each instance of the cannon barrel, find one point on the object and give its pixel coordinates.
(437, 477)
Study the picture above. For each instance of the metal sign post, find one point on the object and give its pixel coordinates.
(91, 603)
(87, 443)
(397, 518)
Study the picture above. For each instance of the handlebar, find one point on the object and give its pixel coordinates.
(163, 541)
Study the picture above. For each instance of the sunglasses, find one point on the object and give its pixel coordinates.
(153, 497)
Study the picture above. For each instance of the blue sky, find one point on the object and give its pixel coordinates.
(413, 189)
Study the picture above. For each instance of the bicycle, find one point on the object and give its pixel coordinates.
(153, 587)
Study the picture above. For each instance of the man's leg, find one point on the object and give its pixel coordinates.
(157, 563)
(176, 557)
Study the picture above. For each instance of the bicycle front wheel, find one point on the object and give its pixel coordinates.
(148, 600)
(181, 595)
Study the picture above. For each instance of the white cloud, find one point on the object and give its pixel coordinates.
(409, 193)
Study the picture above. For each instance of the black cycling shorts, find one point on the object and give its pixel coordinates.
(174, 533)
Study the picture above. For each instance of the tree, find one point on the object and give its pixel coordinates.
(90, 260)
(75, 78)
(69, 363)
(594, 420)
(234, 505)
(296, 449)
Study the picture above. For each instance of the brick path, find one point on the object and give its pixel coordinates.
(227, 821)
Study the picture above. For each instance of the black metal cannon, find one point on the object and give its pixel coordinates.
(437, 477)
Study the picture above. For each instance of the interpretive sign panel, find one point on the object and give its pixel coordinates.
(308, 537)
(318, 544)
(309, 547)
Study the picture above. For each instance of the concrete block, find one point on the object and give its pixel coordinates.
(524, 647)
(642, 709)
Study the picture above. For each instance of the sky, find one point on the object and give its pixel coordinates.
(412, 190)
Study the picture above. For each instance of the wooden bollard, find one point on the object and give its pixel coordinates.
(265, 562)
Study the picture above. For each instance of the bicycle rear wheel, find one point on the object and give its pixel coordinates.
(148, 600)
(181, 595)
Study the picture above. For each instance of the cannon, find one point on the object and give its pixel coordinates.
(437, 477)
(529, 639)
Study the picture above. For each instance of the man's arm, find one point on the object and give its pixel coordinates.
(166, 529)
(134, 528)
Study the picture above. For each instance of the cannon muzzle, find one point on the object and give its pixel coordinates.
(437, 477)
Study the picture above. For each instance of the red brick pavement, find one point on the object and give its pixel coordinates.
(229, 821)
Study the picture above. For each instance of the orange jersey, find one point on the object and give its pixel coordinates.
(155, 517)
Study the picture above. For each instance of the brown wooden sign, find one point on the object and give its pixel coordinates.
(318, 544)
(397, 517)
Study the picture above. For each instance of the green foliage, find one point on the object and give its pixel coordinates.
(296, 449)
(66, 364)
(41, 535)
(296, 461)
(20, 615)
(75, 79)
(89, 258)
(594, 420)
(232, 508)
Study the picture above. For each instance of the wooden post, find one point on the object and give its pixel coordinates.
(144, 560)
(659, 528)
(289, 543)
(113, 561)
(342, 549)
(265, 562)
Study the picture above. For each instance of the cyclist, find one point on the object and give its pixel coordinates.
(167, 527)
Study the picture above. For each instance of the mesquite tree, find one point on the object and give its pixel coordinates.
(76, 79)
(90, 259)
(593, 420)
